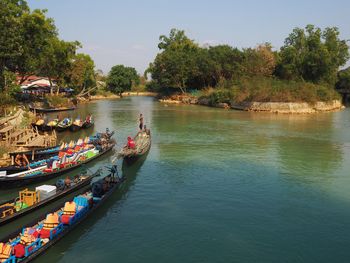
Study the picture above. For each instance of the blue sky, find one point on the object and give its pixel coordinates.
(127, 32)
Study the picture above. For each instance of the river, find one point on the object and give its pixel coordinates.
(219, 186)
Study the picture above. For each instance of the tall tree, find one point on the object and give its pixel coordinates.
(312, 55)
(122, 78)
(81, 75)
(37, 30)
(57, 59)
(11, 48)
(176, 64)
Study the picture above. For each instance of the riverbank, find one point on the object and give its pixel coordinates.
(124, 94)
(272, 107)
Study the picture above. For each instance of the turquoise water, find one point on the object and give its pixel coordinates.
(220, 186)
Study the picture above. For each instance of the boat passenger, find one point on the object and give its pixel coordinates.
(141, 122)
(131, 143)
(147, 131)
(21, 160)
(67, 182)
(88, 118)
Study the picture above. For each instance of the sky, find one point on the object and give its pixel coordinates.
(116, 32)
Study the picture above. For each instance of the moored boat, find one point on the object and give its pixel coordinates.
(66, 161)
(64, 124)
(33, 239)
(76, 125)
(140, 146)
(51, 109)
(28, 201)
(52, 124)
(88, 122)
(39, 124)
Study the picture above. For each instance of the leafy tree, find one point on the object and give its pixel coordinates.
(57, 59)
(260, 61)
(312, 55)
(176, 64)
(11, 42)
(343, 79)
(122, 78)
(81, 74)
(37, 30)
(226, 61)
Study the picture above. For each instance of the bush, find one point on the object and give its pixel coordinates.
(263, 89)
(56, 101)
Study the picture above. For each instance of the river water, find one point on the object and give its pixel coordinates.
(219, 186)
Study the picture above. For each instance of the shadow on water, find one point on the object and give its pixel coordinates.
(55, 253)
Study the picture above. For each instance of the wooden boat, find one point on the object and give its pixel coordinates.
(142, 145)
(51, 109)
(87, 125)
(76, 125)
(41, 174)
(29, 201)
(13, 169)
(64, 124)
(40, 124)
(41, 234)
(52, 124)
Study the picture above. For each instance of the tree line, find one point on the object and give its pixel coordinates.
(311, 56)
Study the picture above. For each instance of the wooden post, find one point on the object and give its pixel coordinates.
(33, 155)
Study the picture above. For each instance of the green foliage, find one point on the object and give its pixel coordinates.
(313, 55)
(343, 79)
(56, 101)
(81, 74)
(122, 78)
(264, 89)
(174, 66)
(57, 59)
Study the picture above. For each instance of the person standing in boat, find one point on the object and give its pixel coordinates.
(141, 122)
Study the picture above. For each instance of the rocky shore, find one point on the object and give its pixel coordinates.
(273, 107)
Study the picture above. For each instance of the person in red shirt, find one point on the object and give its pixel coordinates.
(131, 143)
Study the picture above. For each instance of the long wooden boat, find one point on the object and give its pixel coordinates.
(142, 145)
(38, 174)
(41, 153)
(51, 109)
(13, 169)
(9, 212)
(42, 234)
(76, 125)
(64, 124)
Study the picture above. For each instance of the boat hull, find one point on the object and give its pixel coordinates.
(87, 125)
(79, 187)
(52, 110)
(8, 182)
(67, 229)
(75, 128)
(60, 128)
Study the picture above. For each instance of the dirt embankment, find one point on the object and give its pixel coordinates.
(273, 107)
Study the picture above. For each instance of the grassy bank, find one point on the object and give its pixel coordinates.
(267, 90)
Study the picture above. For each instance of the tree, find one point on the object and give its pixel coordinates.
(57, 59)
(313, 55)
(122, 78)
(11, 42)
(176, 64)
(81, 74)
(260, 61)
(37, 30)
(343, 82)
